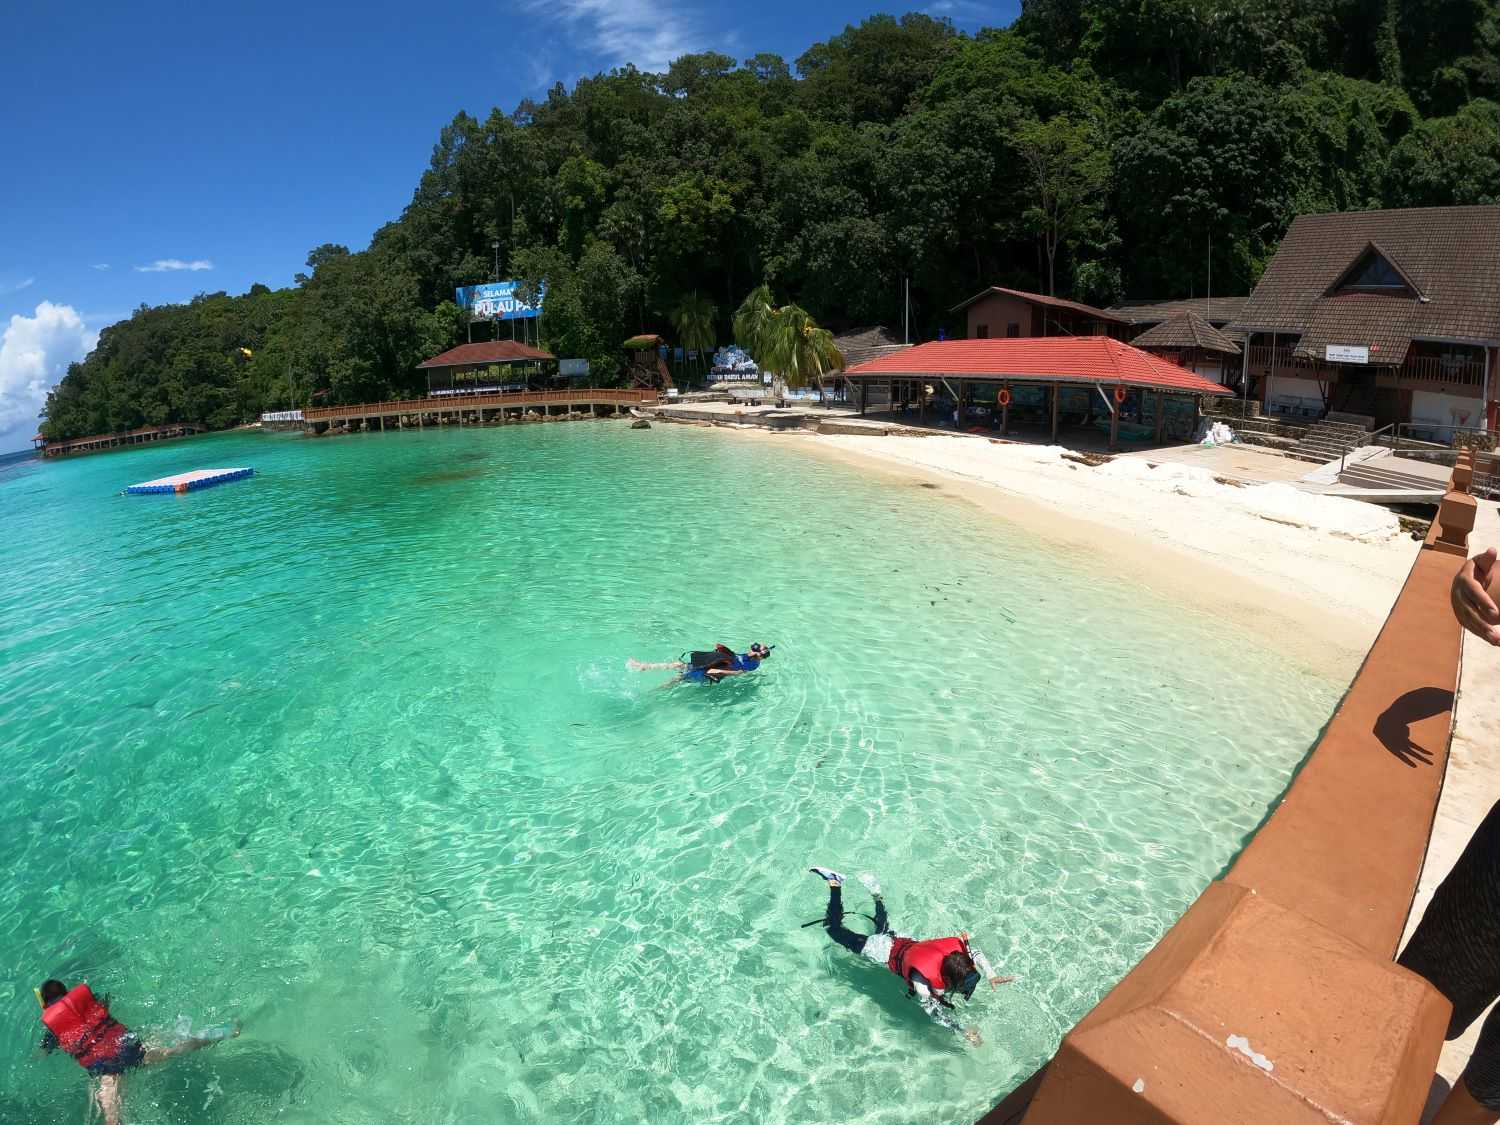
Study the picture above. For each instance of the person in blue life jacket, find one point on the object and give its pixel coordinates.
(710, 666)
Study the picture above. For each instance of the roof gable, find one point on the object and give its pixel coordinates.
(1187, 330)
(1376, 271)
(1042, 300)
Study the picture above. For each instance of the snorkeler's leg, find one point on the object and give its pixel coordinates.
(107, 1098)
(882, 922)
(156, 1055)
(657, 666)
(833, 921)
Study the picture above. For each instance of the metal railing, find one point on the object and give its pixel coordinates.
(614, 395)
(1445, 370)
(1374, 439)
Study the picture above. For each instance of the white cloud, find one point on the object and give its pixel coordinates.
(648, 33)
(100, 266)
(18, 286)
(34, 354)
(162, 265)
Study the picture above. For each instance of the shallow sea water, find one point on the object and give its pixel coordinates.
(349, 751)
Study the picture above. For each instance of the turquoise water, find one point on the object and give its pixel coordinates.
(349, 751)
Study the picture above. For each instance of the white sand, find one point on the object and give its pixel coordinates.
(1316, 575)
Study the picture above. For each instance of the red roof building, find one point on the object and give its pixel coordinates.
(1085, 378)
(999, 313)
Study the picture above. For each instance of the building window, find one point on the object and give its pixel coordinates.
(1012, 331)
(982, 332)
(1373, 272)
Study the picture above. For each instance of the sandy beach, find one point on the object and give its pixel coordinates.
(1315, 575)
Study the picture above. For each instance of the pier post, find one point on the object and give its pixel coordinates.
(1056, 409)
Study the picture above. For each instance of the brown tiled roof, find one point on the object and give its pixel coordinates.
(1186, 330)
(1215, 310)
(491, 351)
(1451, 255)
(1382, 324)
(860, 345)
(1047, 302)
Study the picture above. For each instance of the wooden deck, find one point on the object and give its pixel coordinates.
(461, 410)
(98, 442)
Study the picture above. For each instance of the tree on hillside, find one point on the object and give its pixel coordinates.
(1069, 173)
(694, 320)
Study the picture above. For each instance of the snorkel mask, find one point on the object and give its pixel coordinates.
(760, 651)
(970, 983)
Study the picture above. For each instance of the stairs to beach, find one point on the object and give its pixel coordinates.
(1332, 438)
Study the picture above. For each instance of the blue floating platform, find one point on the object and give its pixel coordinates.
(190, 482)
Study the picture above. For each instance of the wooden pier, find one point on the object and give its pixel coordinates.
(476, 410)
(100, 442)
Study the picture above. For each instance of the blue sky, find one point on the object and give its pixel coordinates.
(159, 150)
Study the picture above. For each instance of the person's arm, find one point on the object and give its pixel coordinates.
(982, 963)
(49, 1042)
(717, 672)
(1470, 595)
(938, 1012)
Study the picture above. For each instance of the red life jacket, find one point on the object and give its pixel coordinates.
(926, 957)
(84, 1027)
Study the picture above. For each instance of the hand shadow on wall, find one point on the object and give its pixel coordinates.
(1393, 727)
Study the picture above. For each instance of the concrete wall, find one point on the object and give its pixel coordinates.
(1446, 410)
(1275, 998)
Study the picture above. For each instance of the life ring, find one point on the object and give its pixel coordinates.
(1119, 394)
(1003, 398)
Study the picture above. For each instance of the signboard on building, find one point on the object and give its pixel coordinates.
(1345, 353)
(498, 301)
(573, 368)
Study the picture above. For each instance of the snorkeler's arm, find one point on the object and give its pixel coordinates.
(932, 1005)
(982, 963)
(49, 1043)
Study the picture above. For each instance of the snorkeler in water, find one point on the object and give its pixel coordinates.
(934, 969)
(710, 666)
(82, 1027)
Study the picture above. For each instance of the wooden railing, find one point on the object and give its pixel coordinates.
(1416, 369)
(614, 395)
(1438, 369)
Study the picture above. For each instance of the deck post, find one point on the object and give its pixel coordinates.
(1005, 415)
(1056, 409)
(1114, 428)
(1161, 414)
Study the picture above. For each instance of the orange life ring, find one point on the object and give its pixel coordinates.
(1119, 394)
(1003, 398)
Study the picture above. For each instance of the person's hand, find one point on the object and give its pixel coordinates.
(996, 982)
(972, 1035)
(1470, 594)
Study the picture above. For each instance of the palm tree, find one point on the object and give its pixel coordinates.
(786, 340)
(694, 321)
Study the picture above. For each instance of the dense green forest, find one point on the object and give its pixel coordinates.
(1098, 149)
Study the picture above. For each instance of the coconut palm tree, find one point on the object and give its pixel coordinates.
(786, 340)
(694, 321)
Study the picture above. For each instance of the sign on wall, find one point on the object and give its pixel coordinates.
(1345, 353)
(498, 301)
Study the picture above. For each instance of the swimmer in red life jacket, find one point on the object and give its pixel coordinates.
(934, 969)
(82, 1027)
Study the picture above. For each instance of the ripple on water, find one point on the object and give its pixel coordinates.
(349, 749)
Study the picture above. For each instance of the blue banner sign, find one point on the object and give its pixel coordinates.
(498, 301)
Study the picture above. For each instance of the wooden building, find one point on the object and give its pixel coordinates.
(1012, 314)
(492, 367)
(1192, 342)
(1394, 315)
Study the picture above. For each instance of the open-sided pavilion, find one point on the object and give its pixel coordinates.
(491, 367)
(1046, 382)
